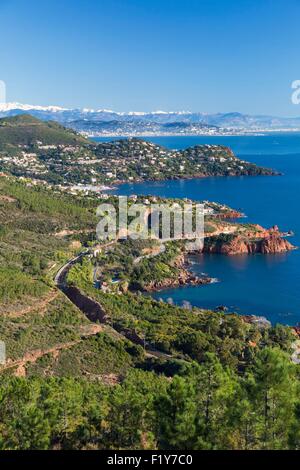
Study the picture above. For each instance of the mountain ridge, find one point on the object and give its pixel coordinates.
(229, 120)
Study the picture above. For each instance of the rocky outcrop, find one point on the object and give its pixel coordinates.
(261, 241)
(261, 322)
(184, 278)
(275, 244)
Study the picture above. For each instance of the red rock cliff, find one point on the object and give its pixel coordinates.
(272, 242)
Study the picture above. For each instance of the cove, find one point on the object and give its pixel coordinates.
(265, 285)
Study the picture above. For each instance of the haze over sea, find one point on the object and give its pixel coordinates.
(265, 285)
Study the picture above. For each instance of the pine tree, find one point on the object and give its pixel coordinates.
(274, 395)
(176, 412)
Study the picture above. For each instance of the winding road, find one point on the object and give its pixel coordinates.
(92, 309)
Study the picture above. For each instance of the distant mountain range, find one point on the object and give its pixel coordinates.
(107, 122)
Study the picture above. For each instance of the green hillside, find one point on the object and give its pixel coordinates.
(27, 130)
(47, 151)
(205, 380)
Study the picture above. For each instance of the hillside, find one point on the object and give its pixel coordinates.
(71, 382)
(28, 130)
(39, 230)
(140, 160)
(49, 152)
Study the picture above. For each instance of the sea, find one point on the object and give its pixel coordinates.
(264, 285)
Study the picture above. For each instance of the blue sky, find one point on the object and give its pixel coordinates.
(198, 55)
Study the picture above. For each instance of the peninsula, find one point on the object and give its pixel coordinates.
(49, 153)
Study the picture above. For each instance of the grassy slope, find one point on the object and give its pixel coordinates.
(26, 130)
(34, 316)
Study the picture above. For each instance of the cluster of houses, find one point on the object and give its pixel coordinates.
(123, 160)
(26, 161)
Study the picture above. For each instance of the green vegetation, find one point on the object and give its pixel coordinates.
(49, 152)
(100, 357)
(30, 218)
(136, 263)
(187, 333)
(157, 268)
(154, 375)
(15, 284)
(207, 407)
(27, 130)
(40, 326)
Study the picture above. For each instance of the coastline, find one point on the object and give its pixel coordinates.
(242, 133)
(186, 277)
(186, 178)
(281, 311)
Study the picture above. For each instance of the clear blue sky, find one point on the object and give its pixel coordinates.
(198, 55)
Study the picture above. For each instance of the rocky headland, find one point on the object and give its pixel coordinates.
(185, 277)
(258, 240)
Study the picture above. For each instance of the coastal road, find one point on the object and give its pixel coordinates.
(60, 281)
(59, 278)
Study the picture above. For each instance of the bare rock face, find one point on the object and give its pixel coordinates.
(267, 241)
(184, 278)
(261, 322)
(275, 244)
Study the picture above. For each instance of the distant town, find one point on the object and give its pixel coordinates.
(108, 123)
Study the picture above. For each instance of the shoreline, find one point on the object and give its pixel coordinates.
(185, 278)
(187, 178)
(254, 133)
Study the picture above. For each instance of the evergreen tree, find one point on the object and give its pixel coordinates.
(176, 413)
(274, 395)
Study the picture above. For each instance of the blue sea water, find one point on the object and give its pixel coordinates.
(265, 285)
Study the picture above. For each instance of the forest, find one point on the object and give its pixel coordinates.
(152, 375)
(206, 406)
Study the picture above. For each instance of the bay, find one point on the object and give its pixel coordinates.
(265, 285)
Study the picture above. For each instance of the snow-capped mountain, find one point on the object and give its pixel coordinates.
(67, 115)
(6, 107)
(86, 118)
